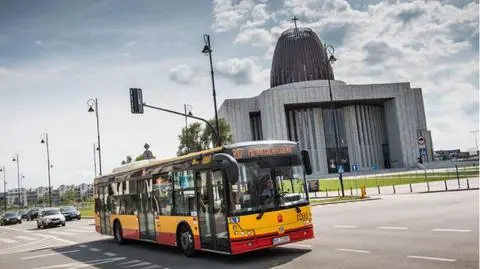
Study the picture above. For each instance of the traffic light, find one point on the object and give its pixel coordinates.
(136, 100)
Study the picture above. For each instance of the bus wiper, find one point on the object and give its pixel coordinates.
(260, 215)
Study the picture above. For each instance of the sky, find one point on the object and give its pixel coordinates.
(56, 55)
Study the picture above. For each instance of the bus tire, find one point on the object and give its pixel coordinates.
(185, 240)
(118, 233)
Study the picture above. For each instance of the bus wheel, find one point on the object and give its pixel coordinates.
(185, 239)
(118, 233)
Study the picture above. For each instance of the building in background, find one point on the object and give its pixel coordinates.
(378, 125)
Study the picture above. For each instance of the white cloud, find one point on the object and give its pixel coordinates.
(39, 42)
(229, 14)
(259, 16)
(186, 74)
(256, 37)
(131, 43)
(242, 70)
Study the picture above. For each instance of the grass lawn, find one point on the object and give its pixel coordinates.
(334, 199)
(397, 179)
(87, 212)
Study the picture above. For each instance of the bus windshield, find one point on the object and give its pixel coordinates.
(268, 183)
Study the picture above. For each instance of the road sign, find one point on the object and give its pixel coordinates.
(421, 140)
(423, 151)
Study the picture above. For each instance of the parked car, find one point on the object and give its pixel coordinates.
(70, 213)
(32, 213)
(11, 218)
(50, 217)
(23, 213)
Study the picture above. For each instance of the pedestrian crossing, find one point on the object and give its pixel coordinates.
(42, 234)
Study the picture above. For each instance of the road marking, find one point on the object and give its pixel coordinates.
(82, 264)
(59, 233)
(451, 230)
(42, 235)
(19, 249)
(79, 231)
(153, 266)
(49, 254)
(83, 246)
(94, 249)
(297, 245)
(139, 264)
(28, 238)
(393, 228)
(345, 226)
(129, 262)
(8, 241)
(353, 250)
(109, 254)
(432, 258)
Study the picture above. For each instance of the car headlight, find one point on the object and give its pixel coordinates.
(62, 218)
(47, 220)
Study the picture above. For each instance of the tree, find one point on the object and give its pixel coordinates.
(209, 139)
(197, 137)
(127, 160)
(190, 139)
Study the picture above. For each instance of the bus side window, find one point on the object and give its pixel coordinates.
(162, 192)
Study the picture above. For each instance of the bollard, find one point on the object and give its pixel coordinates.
(315, 194)
(326, 192)
(378, 187)
(426, 180)
(410, 187)
(446, 188)
(351, 191)
(338, 190)
(394, 189)
(363, 191)
(458, 176)
(468, 184)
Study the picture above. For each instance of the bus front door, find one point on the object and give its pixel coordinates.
(146, 219)
(211, 211)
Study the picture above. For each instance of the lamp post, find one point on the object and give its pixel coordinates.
(44, 140)
(95, 159)
(4, 187)
(329, 51)
(189, 108)
(93, 107)
(16, 159)
(207, 49)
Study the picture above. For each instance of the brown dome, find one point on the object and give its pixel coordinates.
(299, 56)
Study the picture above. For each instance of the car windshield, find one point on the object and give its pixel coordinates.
(67, 208)
(51, 212)
(9, 215)
(268, 183)
(22, 212)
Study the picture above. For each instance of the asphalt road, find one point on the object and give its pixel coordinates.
(436, 230)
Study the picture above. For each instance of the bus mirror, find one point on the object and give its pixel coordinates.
(306, 162)
(229, 165)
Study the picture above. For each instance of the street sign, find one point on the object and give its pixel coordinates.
(421, 140)
(423, 151)
(136, 100)
(375, 167)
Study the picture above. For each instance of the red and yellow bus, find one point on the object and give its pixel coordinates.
(229, 200)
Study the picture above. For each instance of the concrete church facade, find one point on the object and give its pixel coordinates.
(378, 125)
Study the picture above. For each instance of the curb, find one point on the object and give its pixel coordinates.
(347, 201)
(88, 217)
(454, 190)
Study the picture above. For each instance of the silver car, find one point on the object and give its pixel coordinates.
(50, 217)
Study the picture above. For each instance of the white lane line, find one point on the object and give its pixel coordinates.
(451, 230)
(83, 264)
(392, 228)
(8, 241)
(59, 233)
(297, 245)
(345, 226)
(129, 262)
(110, 254)
(42, 235)
(353, 250)
(139, 264)
(79, 231)
(432, 258)
(94, 249)
(83, 246)
(28, 238)
(49, 254)
(154, 266)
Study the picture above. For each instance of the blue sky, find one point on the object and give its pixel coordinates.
(55, 55)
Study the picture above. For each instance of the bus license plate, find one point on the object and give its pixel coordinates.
(281, 240)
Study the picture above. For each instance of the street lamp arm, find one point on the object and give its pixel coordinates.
(190, 116)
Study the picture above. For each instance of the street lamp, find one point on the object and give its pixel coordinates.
(95, 148)
(189, 108)
(475, 132)
(329, 56)
(16, 159)
(44, 140)
(207, 49)
(93, 107)
(4, 186)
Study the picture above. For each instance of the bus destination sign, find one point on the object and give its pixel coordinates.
(252, 152)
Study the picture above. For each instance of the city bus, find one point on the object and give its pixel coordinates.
(229, 200)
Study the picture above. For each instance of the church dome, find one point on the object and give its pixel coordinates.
(299, 56)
